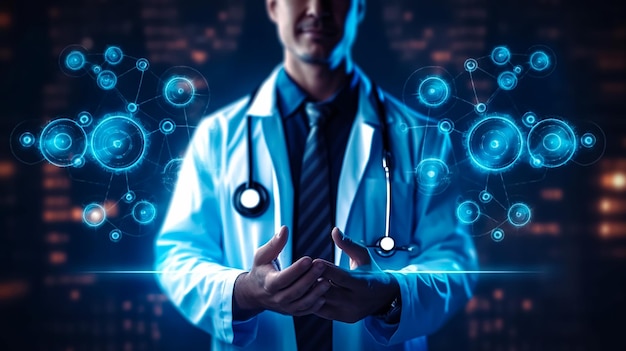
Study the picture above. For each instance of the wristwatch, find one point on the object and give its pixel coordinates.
(391, 314)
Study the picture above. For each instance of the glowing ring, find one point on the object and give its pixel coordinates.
(61, 141)
(494, 143)
(118, 143)
(552, 141)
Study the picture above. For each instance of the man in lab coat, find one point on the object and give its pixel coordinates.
(237, 278)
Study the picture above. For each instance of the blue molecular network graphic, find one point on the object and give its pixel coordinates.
(123, 141)
(494, 138)
(110, 145)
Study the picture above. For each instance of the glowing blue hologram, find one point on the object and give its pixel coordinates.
(118, 143)
(468, 212)
(429, 91)
(106, 80)
(132, 107)
(445, 126)
(23, 142)
(62, 140)
(593, 144)
(142, 64)
(552, 140)
(85, 119)
(500, 55)
(539, 61)
(129, 197)
(167, 126)
(485, 196)
(179, 91)
(96, 69)
(113, 55)
(433, 92)
(480, 108)
(588, 140)
(494, 144)
(78, 161)
(170, 173)
(144, 212)
(517, 69)
(27, 139)
(536, 161)
(115, 235)
(470, 65)
(433, 176)
(183, 91)
(497, 235)
(72, 60)
(519, 214)
(94, 215)
(529, 119)
(507, 80)
(403, 127)
(75, 60)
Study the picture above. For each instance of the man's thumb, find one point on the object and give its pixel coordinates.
(268, 252)
(358, 254)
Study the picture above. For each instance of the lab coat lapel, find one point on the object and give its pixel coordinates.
(273, 150)
(356, 158)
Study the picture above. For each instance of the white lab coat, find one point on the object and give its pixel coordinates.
(204, 243)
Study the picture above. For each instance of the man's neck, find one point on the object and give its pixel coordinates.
(318, 80)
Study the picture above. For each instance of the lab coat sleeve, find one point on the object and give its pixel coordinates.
(189, 256)
(429, 299)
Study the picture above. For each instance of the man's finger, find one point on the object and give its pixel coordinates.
(283, 279)
(359, 256)
(270, 250)
(338, 276)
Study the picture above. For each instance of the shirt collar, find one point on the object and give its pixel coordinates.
(291, 96)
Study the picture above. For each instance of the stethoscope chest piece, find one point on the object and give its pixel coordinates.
(251, 200)
(385, 246)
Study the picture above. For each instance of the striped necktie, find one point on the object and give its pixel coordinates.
(312, 237)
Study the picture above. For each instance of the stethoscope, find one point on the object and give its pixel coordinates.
(251, 199)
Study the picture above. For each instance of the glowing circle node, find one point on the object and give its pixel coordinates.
(129, 196)
(78, 161)
(144, 212)
(27, 139)
(445, 126)
(468, 212)
(94, 215)
(519, 214)
(470, 65)
(118, 143)
(132, 107)
(179, 91)
(106, 80)
(494, 143)
(500, 55)
(536, 161)
(115, 235)
(403, 127)
(142, 64)
(61, 141)
(517, 69)
(75, 60)
(72, 60)
(485, 196)
(480, 108)
(588, 140)
(507, 80)
(539, 61)
(167, 126)
(96, 69)
(85, 118)
(552, 141)
(433, 176)
(529, 119)
(433, 91)
(497, 235)
(113, 55)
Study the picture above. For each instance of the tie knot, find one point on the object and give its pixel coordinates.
(317, 113)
